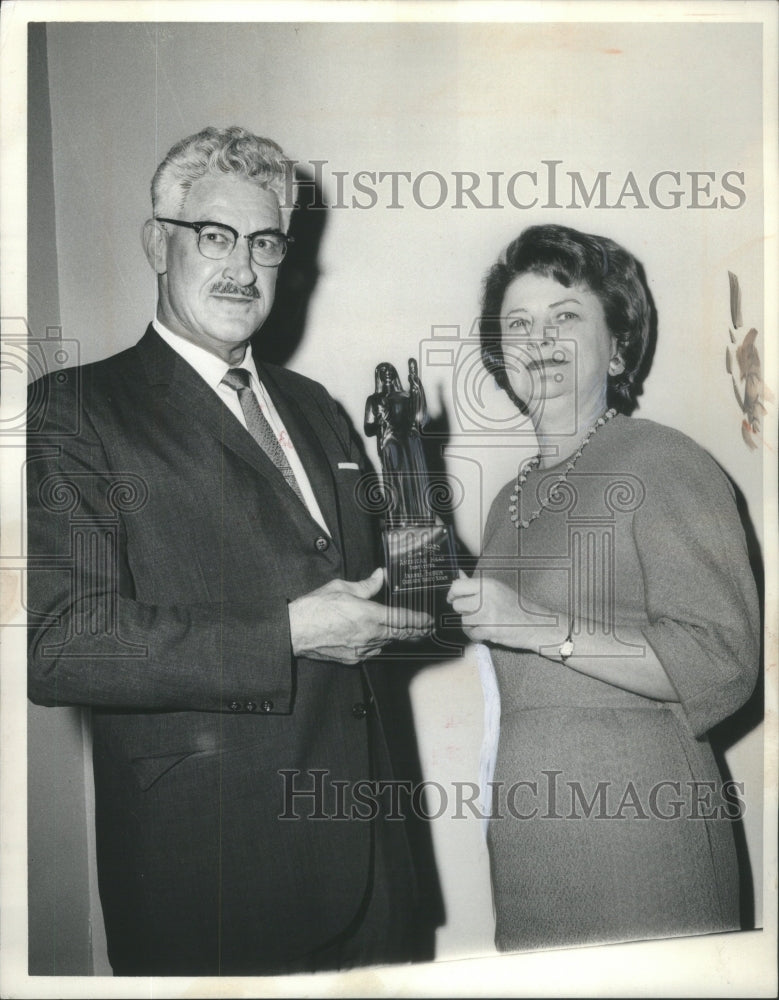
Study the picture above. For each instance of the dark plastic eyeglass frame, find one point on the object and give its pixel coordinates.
(197, 226)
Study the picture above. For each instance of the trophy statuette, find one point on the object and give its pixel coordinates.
(419, 548)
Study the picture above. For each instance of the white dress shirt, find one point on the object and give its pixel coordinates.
(212, 370)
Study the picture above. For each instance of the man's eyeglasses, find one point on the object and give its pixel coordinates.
(216, 240)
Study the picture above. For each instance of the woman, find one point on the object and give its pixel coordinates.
(615, 591)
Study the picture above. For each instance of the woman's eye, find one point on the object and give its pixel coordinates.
(563, 317)
(519, 323)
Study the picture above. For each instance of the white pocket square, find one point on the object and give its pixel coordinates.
(348, 465)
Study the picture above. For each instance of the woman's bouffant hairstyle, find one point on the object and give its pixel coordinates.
(217, 151)
(574, 258)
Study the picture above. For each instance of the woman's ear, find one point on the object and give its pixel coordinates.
(155, 245)
(617, 363)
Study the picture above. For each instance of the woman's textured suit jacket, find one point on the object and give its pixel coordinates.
(164, 548)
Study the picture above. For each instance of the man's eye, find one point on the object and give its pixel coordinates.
(265, 243)
(214, 238)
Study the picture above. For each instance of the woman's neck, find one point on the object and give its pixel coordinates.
(558, 435)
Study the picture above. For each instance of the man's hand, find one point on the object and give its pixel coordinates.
(340, 622)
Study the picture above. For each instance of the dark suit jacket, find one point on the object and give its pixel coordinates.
(164, 549)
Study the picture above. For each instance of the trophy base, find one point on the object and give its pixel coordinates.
(421, 564)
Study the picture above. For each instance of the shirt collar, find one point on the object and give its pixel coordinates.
(208, 366)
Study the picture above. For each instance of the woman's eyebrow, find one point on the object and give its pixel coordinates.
(553, 305)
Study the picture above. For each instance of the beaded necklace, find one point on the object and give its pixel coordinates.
(534, 464)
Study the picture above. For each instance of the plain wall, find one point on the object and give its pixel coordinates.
(435, 97)
(57, 771)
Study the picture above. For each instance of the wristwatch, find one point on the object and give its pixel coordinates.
(566, 649)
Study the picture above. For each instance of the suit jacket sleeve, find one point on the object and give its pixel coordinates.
(91, 642)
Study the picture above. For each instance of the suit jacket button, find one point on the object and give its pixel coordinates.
(322, 544)
(359, 710)
(235, 706)
(250, 706)
(266, 706)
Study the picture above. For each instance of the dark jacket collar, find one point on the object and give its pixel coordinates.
(190, 394)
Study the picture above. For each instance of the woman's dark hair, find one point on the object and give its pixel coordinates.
(574, 258)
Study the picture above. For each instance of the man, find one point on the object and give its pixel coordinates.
(193, 531)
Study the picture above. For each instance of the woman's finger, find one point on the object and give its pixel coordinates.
(462, 588)
(465, 605)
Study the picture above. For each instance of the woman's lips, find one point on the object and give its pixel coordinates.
(555, 361)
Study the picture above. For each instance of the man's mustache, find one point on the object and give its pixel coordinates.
(230, 288)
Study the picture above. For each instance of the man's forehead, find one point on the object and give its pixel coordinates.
(218, 196)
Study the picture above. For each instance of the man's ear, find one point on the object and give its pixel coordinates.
(155, 245)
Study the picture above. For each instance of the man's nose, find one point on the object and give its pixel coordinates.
(239, 266)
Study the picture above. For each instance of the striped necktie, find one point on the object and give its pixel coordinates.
(258, 426)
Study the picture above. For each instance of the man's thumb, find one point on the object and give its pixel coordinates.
(370, 586)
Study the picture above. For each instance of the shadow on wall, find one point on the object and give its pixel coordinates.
(283, 331)
(747, 718)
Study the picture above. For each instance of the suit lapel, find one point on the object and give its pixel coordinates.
(191, 396)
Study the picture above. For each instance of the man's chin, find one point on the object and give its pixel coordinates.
(238, 327)
(237, 333)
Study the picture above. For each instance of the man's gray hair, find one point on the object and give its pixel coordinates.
(216, 151)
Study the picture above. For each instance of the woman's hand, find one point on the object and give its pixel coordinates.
(491, 612)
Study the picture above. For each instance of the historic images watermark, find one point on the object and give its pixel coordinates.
(550, 184)
(314, 795)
